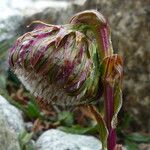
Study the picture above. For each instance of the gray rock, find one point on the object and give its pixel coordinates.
(8, 139)
(58, 140)
(12, 115)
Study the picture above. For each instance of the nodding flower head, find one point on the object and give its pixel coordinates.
(61, 63)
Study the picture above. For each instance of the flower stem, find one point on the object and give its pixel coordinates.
(109, 111)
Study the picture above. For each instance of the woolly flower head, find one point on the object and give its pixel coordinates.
(60, 64)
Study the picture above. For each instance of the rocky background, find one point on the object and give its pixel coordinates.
(130, 24)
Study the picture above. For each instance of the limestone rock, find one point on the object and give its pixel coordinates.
(8, 139)
(58, 140)
(13, 117)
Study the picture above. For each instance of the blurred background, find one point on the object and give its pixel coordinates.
(130, 25)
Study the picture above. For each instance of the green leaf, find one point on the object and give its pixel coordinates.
(66, 118)
(127, 119)
(137, 137)
(3, 90)
(32, 110)
(2, 81)
(77, 129)
(117, 105)
(131, 145)
(24, 140)
(102, 129)
(4, 46)
(27, 138)
(29, 146)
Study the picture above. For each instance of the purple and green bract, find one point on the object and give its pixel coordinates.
(73, 64)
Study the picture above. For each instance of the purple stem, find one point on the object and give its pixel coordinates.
(109, 91)
(109, 110)
(102, 33)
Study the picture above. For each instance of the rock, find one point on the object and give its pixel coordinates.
(12, 116)
(8, 139)
(58, 140)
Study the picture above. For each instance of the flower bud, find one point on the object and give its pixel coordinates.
(58, 63)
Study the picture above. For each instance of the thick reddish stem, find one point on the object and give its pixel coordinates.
(109, 110)
(101, 30)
